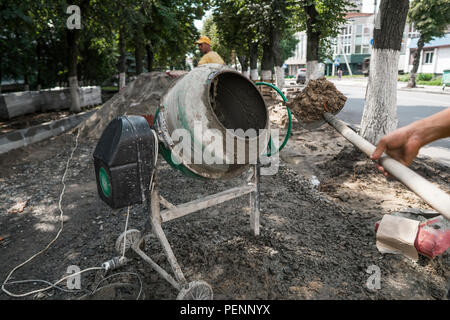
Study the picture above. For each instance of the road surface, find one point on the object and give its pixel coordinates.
(411, 106)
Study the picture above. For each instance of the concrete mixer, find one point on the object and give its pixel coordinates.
(213, 101)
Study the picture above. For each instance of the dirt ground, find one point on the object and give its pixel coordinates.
(317, 226)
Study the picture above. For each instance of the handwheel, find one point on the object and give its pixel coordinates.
(196, 290)
(132, 235)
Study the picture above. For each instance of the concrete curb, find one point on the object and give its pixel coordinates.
(19, 103)
(417, 90)
(425, 91)
(23, 137)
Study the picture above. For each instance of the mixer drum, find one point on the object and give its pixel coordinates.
(213, 98)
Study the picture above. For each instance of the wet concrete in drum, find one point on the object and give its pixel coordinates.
(309, 247)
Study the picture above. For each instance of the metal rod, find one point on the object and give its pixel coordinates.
(159, 232)
(254, 201)
(434, 196)
(158, 269)
(166, 203)
(206, 202)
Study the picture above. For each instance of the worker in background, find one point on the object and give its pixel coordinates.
(209, 56)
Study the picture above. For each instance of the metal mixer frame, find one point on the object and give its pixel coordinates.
(171, 212)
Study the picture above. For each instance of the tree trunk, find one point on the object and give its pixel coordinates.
(72, 45)
(277, 58)
(138, 58)
(253, 53)
(267, 63)
(26, 83)
(38, 58)
(138, 53)
(243, 60)
(150, 56)
(380, 110)
(417, 54)
(122, 60)
(312, 44)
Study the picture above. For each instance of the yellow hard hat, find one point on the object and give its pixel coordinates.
(203, 39)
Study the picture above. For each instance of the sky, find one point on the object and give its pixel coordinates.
(368, 6)
(199, 23)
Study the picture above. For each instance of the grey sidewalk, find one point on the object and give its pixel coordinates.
(362, 82)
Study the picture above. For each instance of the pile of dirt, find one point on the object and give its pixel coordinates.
(141, 97)
(318, 97)
(279, 116)
(315, 242)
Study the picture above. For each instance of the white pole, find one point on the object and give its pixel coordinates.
(346, 61)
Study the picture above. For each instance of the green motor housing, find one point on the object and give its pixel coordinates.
(124, 161)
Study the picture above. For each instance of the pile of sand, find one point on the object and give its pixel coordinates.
(319, 96)
(140, 97)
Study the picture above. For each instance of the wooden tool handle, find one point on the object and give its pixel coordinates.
(434, 196)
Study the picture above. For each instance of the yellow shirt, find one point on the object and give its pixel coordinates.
(211, 57)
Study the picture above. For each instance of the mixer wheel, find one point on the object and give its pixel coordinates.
(132, 235)
(196, 290)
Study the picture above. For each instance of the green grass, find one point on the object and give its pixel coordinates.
(425, 76)
(425, 79)
(356, 76)
(435, 82)
(110, 88)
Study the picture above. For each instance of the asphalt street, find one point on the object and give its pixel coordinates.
(411, 106)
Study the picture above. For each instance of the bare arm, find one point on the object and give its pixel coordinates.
(404, 143)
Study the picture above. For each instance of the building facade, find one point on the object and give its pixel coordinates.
(435, 57)
(298, 60)
(354, 44)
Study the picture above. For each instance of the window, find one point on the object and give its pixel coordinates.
(429, 57)
(359, 28)
(334, 45)
(412, 32)
(345, 40)
(362, 39)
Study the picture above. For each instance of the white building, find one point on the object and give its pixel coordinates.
(435, 57)
(299, 59)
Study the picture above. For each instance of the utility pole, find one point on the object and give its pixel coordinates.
(376, 21)
(341, 46)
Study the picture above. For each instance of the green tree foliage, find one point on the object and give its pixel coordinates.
(15, 46)
(288, 44)
(430, 18)
(271, 24)
(321, 19)
(249, 26)
(34, 37)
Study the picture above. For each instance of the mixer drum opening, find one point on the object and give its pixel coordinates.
(236, 102)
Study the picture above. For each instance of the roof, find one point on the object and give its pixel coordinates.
(350, 15)
(437, 42)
